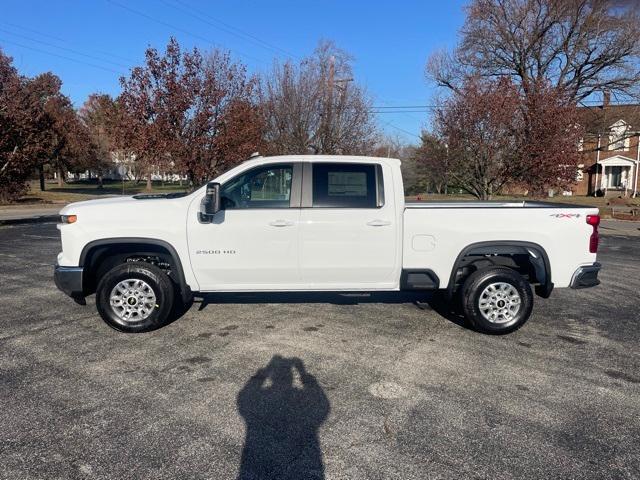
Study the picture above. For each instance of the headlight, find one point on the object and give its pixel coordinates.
(69, 218)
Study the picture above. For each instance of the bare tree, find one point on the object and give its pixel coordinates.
(388, 146)
(579, 46)
(316, 106)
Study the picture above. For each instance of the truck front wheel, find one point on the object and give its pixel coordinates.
(497, 300)
(135, 297)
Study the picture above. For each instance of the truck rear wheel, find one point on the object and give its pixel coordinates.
(497, 300)
(135, 297)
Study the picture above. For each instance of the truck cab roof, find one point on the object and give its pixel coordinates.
(321, 158)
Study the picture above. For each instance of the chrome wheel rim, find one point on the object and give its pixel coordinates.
(499, 303)
(132, 300)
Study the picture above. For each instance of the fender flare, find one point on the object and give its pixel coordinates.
(185, 290)
(542, 264)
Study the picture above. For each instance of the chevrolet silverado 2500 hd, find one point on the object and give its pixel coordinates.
(320, 223)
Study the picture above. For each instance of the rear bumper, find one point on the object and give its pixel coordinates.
(586, 276)
(69, 280)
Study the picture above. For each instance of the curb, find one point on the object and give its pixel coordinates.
(27, 220)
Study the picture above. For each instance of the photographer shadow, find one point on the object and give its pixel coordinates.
(283, 407)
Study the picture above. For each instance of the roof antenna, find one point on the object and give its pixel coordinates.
(254, 155)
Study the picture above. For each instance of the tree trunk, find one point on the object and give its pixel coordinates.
(149, 181)
(60, 177)
(41, 176)
(100, 184)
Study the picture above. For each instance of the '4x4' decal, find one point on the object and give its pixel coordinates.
(565, 215)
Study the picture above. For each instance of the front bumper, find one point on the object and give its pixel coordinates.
(69, 280)
(586, 276)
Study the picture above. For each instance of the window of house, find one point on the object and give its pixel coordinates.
(340, 185)
(619, 136)
(262, 187)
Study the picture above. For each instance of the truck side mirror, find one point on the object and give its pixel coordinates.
(211, 202)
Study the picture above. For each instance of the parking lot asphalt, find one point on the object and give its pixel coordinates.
(316, 386)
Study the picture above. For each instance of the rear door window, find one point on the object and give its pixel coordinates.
(344, 185)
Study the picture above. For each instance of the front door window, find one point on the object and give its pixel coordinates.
(615, 177)
(262, 187)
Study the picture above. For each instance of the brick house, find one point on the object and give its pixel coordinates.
(610, 149)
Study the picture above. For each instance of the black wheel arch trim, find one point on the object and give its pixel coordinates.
(429, 281)
(185, 290)
(543, 290)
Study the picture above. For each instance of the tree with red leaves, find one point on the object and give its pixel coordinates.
(38, 125)
(548, 139)
(99, 116)
(13, 168)
(66, 141)
(495, 136)
(189, 113)
(431, 160)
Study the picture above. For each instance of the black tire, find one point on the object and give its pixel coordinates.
(157, 281)
(511, 318)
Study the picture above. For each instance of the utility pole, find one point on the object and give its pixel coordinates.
(635, 180)
(595, 188)
(324, 137)
(327, 139)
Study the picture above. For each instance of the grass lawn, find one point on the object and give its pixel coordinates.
(78, 191)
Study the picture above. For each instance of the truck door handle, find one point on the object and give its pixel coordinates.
(378, 223)
(281, 223)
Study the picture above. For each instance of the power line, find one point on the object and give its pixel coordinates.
(62, 56)
(404, 106)
(62, 40)
(405, 110)
(186, 32)
(71, 50)
(402, 130)
(400, 111)
(226, 27)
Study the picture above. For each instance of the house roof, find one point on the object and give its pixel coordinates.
(618, 161)
(600, 119)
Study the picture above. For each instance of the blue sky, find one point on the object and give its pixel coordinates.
(90, 43)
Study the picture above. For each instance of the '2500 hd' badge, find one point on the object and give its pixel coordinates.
(215, 252)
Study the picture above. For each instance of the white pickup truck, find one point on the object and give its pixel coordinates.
(320, 223)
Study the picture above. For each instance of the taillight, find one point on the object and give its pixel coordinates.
(594, 221)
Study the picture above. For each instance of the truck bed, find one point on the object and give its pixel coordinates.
(435, 233)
